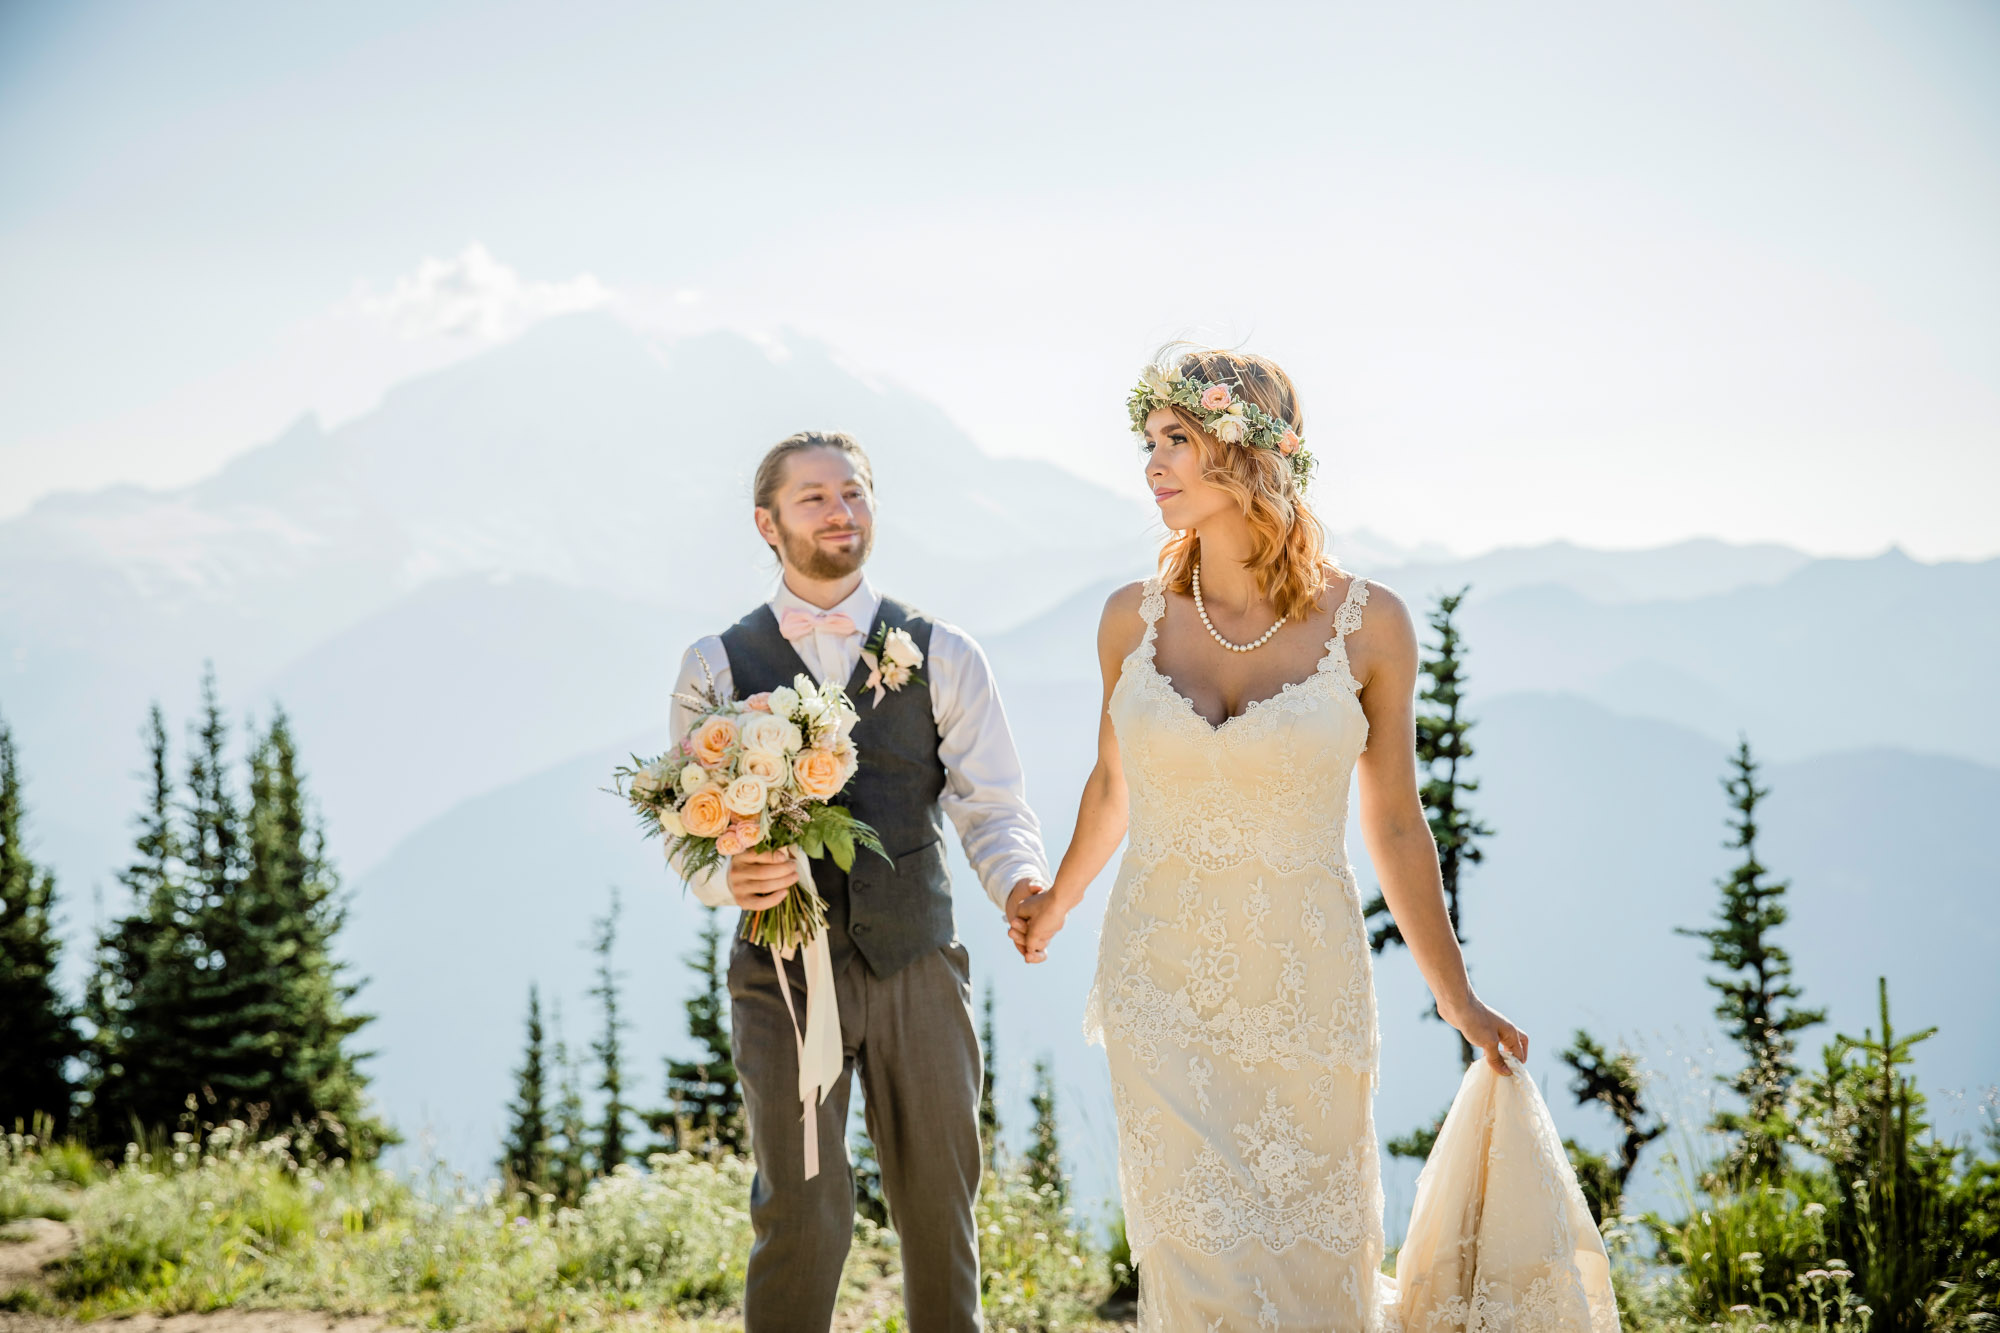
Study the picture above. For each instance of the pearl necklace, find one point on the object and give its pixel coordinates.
(1258, 642)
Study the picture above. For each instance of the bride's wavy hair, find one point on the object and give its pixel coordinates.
(1287, 543)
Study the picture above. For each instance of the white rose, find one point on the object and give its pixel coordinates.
(901, 649)
(766, 731)
(784, 701)
(670, 822)
(849, 759)
(745, 796)
(768, 765)
(691, 777)
(1230, 430)
(646, 784)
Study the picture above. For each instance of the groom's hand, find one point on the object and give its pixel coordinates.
(1034, 922)
(1020, 893)
(758, 880)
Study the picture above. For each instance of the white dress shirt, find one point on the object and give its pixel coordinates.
(984, 795)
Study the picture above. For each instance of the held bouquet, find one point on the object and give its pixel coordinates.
(757, 774)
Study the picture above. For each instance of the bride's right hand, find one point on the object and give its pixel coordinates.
(1035, 922)
(1489, 1029)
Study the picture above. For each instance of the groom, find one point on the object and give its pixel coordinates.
(933, 741)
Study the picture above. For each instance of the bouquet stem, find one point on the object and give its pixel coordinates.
(793, 921)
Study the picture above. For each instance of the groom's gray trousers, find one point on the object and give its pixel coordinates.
(910, 1037)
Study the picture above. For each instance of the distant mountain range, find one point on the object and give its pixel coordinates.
(471, 601)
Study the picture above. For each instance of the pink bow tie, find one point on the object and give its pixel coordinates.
(795, 625)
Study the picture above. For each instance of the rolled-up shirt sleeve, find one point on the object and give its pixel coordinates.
(704, 662)
(985, 792)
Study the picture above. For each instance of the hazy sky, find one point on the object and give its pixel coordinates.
(1617, 273)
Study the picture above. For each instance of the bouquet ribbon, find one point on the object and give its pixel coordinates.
(818, 1043)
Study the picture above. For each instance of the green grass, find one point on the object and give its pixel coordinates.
(229, 1220)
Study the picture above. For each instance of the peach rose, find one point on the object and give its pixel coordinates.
(1288, 443)
(739, 837)
(817, 773)
(713, 740)
(703, 814)
(759, 703)
(1215, 397)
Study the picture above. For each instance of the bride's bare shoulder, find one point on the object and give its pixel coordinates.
(1386, 638)
(1122, 626)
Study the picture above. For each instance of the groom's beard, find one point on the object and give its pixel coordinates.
(804, 553)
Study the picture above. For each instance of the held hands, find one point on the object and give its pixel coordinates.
(1034, 915)
(1489, 1030)
(758, 880)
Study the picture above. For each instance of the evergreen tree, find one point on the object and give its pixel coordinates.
(704, 1100)
(1614, 1081)
(221, 979)
(989, 1109)
(1044, 1156)
(525, 1154)
(607, 1048)
(1417, 1144)
(1443, 747)
(1755, 984)
(290, 898)
(569, 1152)
(37, 1028)
(224, 1033)
(141, 1075)
(1923, 1236)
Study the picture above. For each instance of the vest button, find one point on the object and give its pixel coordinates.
(858, 928)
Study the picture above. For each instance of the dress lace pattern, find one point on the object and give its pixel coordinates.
(1235, 998)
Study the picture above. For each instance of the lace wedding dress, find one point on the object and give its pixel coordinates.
(1236, 1002)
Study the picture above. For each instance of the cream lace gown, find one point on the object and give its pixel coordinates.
(1236, 1003)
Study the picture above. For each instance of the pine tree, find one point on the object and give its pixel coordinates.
(525, 1154)
(1443, 747)
(607, 1048)
(1044, 1155)
(221, 980)
(290, 895)
(225, 1035)
(37, 1028)
(1614, 1081)
(1755, 985)
(140, 1072)
(704, 1109)
(989, 1109)
(569, 1151)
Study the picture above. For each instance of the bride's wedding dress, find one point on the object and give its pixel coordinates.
(1235, 999)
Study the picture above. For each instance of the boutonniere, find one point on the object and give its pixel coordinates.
(893, 658)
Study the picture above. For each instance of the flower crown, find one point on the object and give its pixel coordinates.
(1226, 415)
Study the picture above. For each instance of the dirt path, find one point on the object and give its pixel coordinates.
(29, 1246)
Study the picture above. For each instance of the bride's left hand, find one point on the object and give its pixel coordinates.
(1489, 1029)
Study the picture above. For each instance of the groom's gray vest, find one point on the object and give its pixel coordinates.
(893, 912)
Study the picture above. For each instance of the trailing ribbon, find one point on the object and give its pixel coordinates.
(818, 1044)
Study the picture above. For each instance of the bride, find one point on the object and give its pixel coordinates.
(1234, 995)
